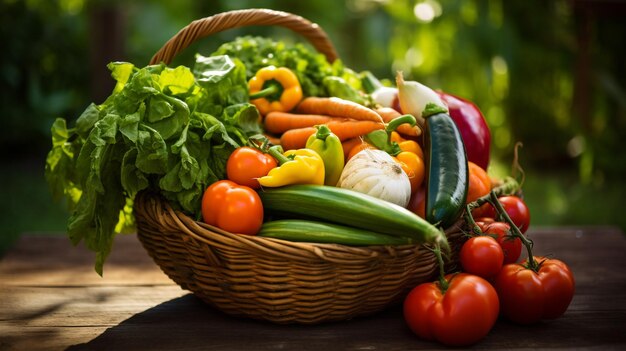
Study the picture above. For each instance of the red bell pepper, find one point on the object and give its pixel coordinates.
(473, 127)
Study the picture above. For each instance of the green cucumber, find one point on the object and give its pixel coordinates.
(446, 171)
(321, 232)
(350, 208)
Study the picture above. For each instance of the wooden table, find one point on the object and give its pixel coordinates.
(50, 298)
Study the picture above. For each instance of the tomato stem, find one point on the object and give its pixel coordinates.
(259, 142)
(515, 232)
(443, 283)
(475, 229)
(516, 167)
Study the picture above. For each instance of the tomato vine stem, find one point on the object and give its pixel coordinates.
(475, 229)
(516, 167)
(515, 232)
(259, 142)
(443, 283)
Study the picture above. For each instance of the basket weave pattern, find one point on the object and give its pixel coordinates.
(277, 280)
(271, 279)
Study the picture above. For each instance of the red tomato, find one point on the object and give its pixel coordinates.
(484, 220)
(527, 297)
(232, 207)
(481, 211)
(514, 206)
(511, 246)
(246, 164)
(462, 315)
(482, 256)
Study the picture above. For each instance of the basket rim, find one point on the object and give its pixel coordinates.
(206, 26)
(300, 251)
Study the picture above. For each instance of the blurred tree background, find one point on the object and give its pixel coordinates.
(550, 74)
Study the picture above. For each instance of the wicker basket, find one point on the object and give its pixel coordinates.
(270, 279)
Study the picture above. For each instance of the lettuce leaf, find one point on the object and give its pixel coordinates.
(166, 129)
(170, 130)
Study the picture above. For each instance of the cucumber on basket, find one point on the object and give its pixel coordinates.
(447, 171)
(350, 208)
(320, 232)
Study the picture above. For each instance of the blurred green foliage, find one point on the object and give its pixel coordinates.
(43, 71)
(550, 74)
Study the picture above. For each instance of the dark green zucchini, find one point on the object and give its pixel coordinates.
(321, 232)
(446, 171)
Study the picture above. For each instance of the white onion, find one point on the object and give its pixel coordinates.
(414, 97)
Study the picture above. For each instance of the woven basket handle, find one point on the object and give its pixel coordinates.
(240, 18)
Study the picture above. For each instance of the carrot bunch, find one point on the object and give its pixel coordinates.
(346, 119)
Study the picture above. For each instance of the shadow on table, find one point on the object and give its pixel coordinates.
(188, 323)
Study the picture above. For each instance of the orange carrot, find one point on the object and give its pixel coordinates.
(349, 145)
(336, 107)
(280, 122)
(388, 114)
(353, 129)
(296, 138)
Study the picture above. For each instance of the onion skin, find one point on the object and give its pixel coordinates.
(415, 99)
(473, 127)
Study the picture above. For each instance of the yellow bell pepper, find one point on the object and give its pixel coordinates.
(274, 89)
(302, 166)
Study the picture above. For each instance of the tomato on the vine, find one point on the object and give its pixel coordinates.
(528, 296)
(246, 164)
(511, 246)
(461, 315)
(482, 256)
(514, 206)
(232, 207)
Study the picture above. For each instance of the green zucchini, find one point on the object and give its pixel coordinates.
(446, 171)
(351, 208)
(320, 232)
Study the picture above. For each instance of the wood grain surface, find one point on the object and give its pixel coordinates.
(51, 299)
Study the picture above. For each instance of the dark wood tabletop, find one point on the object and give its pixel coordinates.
(51, 298)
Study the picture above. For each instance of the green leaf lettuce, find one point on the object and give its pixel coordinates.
(166, 129)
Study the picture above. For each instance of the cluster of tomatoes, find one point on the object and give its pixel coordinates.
(461, 308)
(233, 205)
(458, 309)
